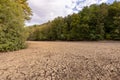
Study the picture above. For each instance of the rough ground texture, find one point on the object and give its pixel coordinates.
(62, 61)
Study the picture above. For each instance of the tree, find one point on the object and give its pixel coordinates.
(114, 20)
(25, 8)
(12, 32)
(75, 24)
(96, 22)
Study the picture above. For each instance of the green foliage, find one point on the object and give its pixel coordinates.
(25, 8)
(96, 22)
(12, 32)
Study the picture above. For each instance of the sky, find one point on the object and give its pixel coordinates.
(45, 10)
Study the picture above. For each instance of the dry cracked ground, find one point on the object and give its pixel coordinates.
(62, 61)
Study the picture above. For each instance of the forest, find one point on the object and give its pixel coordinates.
(95, 22)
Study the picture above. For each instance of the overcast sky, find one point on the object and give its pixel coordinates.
(44, 10)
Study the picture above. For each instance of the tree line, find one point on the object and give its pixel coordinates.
(13, 13)
(96, 22)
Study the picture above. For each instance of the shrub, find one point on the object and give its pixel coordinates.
(12, 33)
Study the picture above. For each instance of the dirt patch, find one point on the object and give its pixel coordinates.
(62, 61)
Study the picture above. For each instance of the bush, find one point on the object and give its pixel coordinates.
(12, 33)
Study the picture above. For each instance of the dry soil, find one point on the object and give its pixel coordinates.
(62, 61)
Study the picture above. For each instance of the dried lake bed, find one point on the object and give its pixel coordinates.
(46, 60)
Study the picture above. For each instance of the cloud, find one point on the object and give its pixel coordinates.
(44, 10)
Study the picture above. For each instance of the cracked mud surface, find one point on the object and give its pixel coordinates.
(62, 61)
